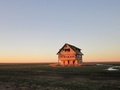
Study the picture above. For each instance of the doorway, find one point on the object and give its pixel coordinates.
(68, 62)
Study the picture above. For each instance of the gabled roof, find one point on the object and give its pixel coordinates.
(76, 49)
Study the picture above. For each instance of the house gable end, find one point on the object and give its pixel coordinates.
(63, 48)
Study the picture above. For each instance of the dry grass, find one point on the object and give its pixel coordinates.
(45, 77)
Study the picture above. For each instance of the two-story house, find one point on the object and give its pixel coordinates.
(69, 55)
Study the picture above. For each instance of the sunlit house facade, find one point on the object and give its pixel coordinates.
(69, 55)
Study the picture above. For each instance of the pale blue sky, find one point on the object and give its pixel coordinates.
(34, 30)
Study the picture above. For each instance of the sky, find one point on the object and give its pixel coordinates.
(35, 30)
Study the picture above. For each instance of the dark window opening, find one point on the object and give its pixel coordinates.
(67, 50)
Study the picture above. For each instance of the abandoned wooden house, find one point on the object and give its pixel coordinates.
(69, 55)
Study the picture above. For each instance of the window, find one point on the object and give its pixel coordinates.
(67, 50)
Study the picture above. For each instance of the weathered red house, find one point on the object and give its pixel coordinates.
(69, 55)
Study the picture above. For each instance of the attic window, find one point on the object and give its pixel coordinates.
(67, 50)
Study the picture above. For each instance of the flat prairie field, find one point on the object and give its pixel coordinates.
(41, 76)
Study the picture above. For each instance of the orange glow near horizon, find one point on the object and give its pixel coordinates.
(54, 58)
(29, 57)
